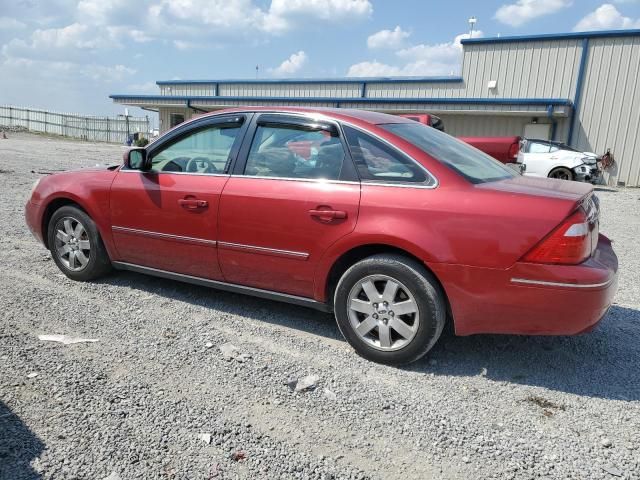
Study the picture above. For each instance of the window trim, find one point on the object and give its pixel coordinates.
(399, 183)
(348, 173)
(190, 127)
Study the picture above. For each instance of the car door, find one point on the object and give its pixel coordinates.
(537, 158)
(167, 218)
(280, 211)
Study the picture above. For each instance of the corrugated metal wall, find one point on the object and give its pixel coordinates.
(414, 90)
(609, 111)
(531, 69)
(493, 126)
(193, 89)
(272, 89)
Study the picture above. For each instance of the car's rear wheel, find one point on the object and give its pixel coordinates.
(390, 308)
(76, 246)
(561, 173)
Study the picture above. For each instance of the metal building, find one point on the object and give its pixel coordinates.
(580, 88)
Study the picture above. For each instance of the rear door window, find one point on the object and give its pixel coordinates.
(287, 151)
(538, 147)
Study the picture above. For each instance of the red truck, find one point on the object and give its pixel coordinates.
(503, 149)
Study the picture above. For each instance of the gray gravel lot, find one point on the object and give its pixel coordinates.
(136, 403)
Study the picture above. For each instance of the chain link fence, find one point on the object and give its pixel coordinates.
(97, 129)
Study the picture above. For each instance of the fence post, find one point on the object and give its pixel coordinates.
(28, 120)
(45, 123)
(10, 117)
(108, 131)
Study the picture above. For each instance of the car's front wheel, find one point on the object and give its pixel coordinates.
(390, 308)
(76, 246)
(561, 173)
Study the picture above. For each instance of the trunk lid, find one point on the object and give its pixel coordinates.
(541, 187)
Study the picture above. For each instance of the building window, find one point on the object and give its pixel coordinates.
(175, 119)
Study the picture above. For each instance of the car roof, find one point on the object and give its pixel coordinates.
(345, 114)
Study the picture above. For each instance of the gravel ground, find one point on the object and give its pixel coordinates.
(156, 398)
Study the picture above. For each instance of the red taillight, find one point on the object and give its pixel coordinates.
(569, 244)
(514, 149)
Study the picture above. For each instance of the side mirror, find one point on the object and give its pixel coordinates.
(136, 159)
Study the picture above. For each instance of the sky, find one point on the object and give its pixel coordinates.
(70, 56)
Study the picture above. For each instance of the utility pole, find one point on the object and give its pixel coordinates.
(257, 70)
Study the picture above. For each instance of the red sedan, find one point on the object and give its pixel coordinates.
(394, 226)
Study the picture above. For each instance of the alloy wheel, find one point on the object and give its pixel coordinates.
(72, 245)
(561, 174)
(383, 312)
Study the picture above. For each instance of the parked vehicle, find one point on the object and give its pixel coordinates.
(394, 227)
(425, 119)
(503, 149)
(546, 158)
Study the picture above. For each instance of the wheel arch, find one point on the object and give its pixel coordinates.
(360, 252)
(51, 208)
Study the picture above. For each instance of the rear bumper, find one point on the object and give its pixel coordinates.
(533, 299)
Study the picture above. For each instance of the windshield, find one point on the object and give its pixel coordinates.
(471, 163)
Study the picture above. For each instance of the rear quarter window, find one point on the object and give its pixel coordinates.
(378, 162)
(469, 162)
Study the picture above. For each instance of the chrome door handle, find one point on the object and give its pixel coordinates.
(192, 203)
(326, 215)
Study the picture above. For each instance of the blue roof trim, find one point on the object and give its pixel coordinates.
(553, 36)
(486, 101)
(444, 79)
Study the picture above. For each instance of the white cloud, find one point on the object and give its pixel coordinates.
(287, 14)
(605, 17)
(8, 23)
(523, 11)
(391, 39)
(373, 69)
(422, 59)
(292, 64)
(237, 16)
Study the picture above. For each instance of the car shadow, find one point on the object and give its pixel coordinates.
(601, 364)
(18, 447)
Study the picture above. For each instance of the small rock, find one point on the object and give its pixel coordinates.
(238, 455)
(243, 357)
(466, 459)
(606, 443)
(329, 395)
(229, 351)
(613, 471)
(32, 375)
(208, 345)
(206, 438)
(291, 382)
(114, 476)
(307, 383)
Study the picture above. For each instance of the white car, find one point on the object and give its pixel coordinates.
(545, 158)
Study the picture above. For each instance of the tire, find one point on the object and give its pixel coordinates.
(76, 246)
(561, 173)
(364, 326)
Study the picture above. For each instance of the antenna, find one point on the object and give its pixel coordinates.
(472, 23)
(257, 70)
